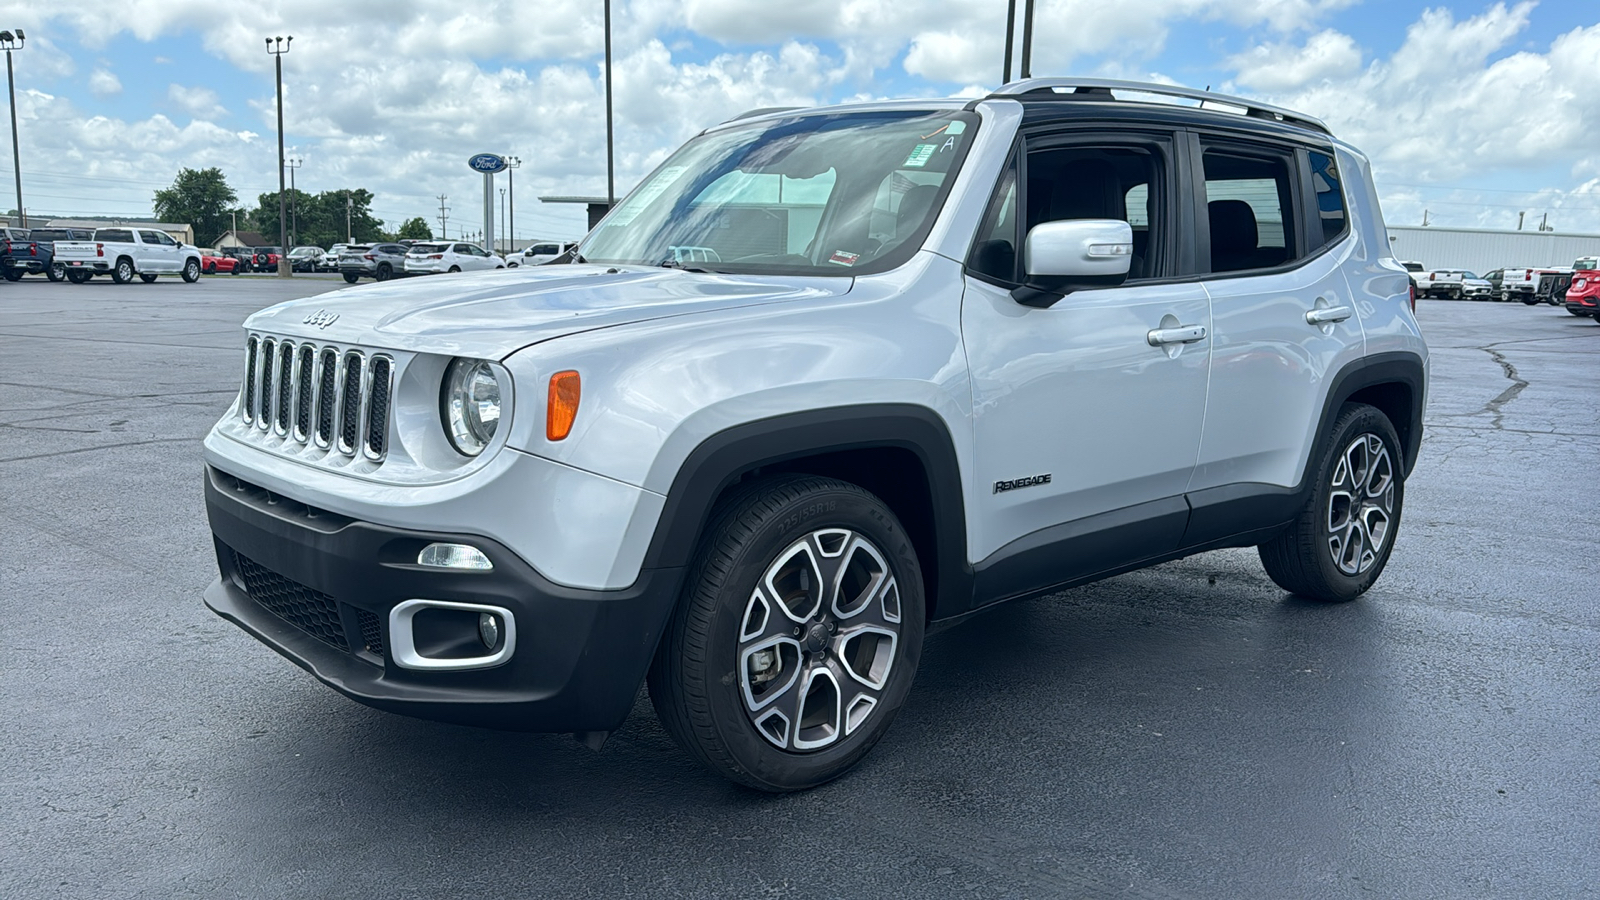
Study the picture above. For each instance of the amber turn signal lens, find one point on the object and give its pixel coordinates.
(565, 390)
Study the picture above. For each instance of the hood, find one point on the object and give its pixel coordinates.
(496, 313)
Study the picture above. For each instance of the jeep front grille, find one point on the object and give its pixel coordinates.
(337, 399)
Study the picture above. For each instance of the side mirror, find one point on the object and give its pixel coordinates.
(1073, 254)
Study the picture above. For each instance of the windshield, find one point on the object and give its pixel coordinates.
(1586, 263)
(816, 195)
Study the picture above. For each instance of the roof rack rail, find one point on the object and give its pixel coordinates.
(1101, 88)
(761, 111)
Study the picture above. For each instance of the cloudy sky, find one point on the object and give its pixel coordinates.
(1472, 111)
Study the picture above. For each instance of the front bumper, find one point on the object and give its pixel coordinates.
(580, 655)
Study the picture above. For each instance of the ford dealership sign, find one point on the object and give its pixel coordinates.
(487, 163)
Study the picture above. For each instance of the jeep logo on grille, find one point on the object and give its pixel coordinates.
(322, 318)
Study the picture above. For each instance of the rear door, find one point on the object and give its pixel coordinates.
(1284, 320)
(1085, 424)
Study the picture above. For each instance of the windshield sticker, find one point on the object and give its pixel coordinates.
(646, 195)
(920, 156)
(952, 128)
(844, 258)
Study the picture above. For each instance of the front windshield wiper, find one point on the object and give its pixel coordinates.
(674, 264)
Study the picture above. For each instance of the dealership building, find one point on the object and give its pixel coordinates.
(1480, 251)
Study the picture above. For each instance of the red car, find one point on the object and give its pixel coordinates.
(265, 259)
(212, 262)
(1583, 295)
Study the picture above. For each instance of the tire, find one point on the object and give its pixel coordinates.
(191, 270)
(454, 269)
(78, 276)
(384, 272)
(769, 532)
(122, 272)
(12, 274)
(1312, 558)
(1529, 301)
(211, 268)
(147, 278)
(236, 269)
(57, 272)
(351, 278)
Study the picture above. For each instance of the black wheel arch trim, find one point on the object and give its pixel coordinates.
(727, 456)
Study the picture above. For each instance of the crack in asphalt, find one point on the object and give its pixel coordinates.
(1497, 405)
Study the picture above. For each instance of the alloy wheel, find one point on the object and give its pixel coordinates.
(1361, 504)
(817, 640)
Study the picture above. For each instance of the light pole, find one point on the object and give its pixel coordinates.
(294, 202)
(349, 209)
(14, 42)
(512, 163)
(503, 215)
(611, 189)
(278, 47)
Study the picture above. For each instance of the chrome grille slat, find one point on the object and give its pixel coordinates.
(378, 399)
(283, 389)
(247, 403)
(269, 363)
(327, 397)
(304, 383)
(327, 394)
(350, 401)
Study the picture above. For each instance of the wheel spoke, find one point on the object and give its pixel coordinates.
(861, 578)
(820, 719)
(769, 670)
(866, 653)
(795, 581)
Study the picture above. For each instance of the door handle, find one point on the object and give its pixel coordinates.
(1183, 334)
(1330, 314)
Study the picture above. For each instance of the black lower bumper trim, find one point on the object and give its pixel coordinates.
(581, 655)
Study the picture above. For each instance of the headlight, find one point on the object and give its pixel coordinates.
(471, 405)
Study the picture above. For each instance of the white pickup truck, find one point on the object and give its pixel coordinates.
(125, 252)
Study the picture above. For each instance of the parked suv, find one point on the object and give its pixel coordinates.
(1583, 294)
(539, 254)
(449, 256)
(826, 379)
(380, 261)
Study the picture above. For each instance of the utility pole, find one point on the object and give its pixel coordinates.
(349, 207)
(14, 42)
(278, 50)
(444, 217)
(1520, 216)
(1027, 39)
(1424, 218)
(611, 180)
(294, 203)
(512, 163)
(1011, 30)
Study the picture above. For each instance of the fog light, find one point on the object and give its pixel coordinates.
(454, 556)
(489, 630)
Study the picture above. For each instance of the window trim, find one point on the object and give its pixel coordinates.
(1299, 179)
(1313, 213)
(1165, 145)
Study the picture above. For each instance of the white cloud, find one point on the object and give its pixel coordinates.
(104, 84)
(199, 102)
(1450, 106)
(1280, 67)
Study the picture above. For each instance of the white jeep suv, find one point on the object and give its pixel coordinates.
(825, 379)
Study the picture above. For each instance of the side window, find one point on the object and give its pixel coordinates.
(1330, 196)
(149, 237)
(1249, 208)
(1080, 182)
(994, 252)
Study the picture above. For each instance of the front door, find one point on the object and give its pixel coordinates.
(1087, 414)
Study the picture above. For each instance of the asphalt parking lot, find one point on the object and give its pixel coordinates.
(1186, 731)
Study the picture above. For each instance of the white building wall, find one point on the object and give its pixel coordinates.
(1481, 251)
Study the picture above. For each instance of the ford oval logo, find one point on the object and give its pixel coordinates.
(486, 163)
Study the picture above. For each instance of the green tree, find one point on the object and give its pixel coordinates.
(321, 217)
(415, 229)
(199, 197)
